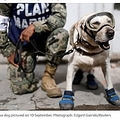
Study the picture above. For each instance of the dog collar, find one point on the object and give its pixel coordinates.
(86, 53)
(85, 43)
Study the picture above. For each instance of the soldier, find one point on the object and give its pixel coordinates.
(36, 25)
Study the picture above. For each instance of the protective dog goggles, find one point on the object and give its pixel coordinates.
(97, 26)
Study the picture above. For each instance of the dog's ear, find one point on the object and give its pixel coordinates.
(76, 26)
(79, 25)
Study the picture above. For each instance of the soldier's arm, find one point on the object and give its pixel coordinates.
(7, 48)
(56, 20)
(5, 9)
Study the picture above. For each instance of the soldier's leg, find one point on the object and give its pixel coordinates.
(55, 48)
(23, 81)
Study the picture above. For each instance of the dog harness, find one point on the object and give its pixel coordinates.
(81, 41)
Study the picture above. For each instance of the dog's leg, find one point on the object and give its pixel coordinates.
(112, 97)
(67, 101)
(107, 74)
(70, 76)
(91, 83)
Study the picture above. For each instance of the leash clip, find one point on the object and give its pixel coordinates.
(68, 52)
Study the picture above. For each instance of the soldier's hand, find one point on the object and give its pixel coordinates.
(27, 33)
(11, 60)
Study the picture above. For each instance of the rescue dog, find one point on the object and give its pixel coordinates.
(91, 48)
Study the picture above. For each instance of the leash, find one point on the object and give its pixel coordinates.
(38, 51)
(19, 50)
(18, 59)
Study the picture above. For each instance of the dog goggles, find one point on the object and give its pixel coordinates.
(95, 25)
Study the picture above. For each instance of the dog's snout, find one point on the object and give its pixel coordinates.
(110, 33)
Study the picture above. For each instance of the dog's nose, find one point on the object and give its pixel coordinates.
(110, 33)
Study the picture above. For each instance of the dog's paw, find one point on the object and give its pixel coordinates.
(67, 102)
(112, 97)
(91, 83)
(78, 77)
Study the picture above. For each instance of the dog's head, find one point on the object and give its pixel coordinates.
(99, 26)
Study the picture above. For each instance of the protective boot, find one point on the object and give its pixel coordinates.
(48, 83)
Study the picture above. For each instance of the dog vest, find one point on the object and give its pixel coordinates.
(23, 14)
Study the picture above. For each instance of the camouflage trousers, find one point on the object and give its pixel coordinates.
(53, 44)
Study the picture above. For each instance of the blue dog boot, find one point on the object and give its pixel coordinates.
(78, 77)
(112, 97)
(67, 102)
(91, 84)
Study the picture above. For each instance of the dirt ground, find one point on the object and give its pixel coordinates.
(89, 107)
(96, 107)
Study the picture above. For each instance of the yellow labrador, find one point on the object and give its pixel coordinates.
(90, 38)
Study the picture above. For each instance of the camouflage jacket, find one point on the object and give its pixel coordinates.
(56, 20)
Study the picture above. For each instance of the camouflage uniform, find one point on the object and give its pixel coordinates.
(53, 41)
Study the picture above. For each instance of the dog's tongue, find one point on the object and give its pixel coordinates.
(106, 45)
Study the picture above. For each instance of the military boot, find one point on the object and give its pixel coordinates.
(48, 83)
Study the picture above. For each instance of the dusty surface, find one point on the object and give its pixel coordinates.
(89, 107)
(96, 107)
(84, 99)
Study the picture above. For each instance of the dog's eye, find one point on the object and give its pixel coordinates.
(109, 21)
(96, 23)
